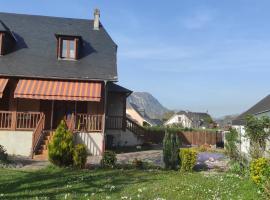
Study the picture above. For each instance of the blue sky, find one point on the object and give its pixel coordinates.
(196, 55)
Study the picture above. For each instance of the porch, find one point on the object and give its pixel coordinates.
(30, 111)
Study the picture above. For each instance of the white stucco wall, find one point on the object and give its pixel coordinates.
(93, 141)
(17, 142)
(244, 142)
(182, 119)
(124, 138)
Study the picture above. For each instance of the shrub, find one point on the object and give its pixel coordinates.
(3, 154)
(171, 150)
(188, 159)
(61, 146)
(231, 144)
(108, 159)
(137, 163)
(259, 169)
(80, 156)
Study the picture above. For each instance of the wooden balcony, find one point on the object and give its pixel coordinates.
(24, 121)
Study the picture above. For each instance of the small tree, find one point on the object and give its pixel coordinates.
(232, 141)
(257, 131)
(61, 147)
(171, 147)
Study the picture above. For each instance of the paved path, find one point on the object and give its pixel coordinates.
(205, 159)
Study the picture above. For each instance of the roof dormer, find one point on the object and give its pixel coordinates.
(68, 47)
(7, 39)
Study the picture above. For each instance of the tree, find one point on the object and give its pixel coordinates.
(257, 131)
(232, 141)
(171, 147)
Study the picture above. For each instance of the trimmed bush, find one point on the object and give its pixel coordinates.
(171, 147)
(3, 154)
(188, 159)
(80, 156)
(259, 169)
(108, 159)
(61, 147)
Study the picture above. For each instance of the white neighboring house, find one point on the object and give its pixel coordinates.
(262, 108)
(179, 119)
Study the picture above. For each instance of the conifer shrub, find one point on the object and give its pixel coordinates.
(171, 147)
(3, 154)
(80, 156)
(61, 147)
(188, 159)
(108, 159)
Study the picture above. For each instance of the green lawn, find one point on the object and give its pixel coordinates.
(53, 183)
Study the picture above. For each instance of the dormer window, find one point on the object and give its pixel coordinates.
(68, 47)
(1, 44)
(7, 39)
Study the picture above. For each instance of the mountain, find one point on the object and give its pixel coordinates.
(148, 103)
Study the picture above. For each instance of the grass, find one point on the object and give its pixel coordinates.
(54, 183)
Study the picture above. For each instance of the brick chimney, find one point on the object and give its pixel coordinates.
(96, 19)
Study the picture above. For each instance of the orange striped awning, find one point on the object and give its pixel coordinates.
(58, 90)
(3, 84)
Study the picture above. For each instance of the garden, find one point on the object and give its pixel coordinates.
(69, 177)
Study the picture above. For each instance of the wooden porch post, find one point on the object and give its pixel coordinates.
(52, 112)
(104, 115)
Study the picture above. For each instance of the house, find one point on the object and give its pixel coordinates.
(262, 108)
(140, 117)
(179, 119)
(52, 69)
(190, 119)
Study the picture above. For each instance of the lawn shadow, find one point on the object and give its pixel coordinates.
(51, 183)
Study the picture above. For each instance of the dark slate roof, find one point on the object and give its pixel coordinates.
(112, 87)
(261, 107)
(35, 54)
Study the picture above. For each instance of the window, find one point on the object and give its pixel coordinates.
(68, 49)
(1, 44)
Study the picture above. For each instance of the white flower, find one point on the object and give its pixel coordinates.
(138, 195)
(1, 195)
(92, 194)
(108, 197)
(124, 197)
(139, 190)
(112, 188)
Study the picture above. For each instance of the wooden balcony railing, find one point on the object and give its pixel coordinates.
(115, 122)
(11, 120)
(88, 123)
(37, 134)
(5, 120)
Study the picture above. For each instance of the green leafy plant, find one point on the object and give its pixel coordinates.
(80, 156)
(108, 159)
(171, 147)
(257, 131)
(3, 154)
(188, 159)
(232, 141)
(61, 147)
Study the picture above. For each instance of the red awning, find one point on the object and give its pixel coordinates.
(58, 90)
(3, 84)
